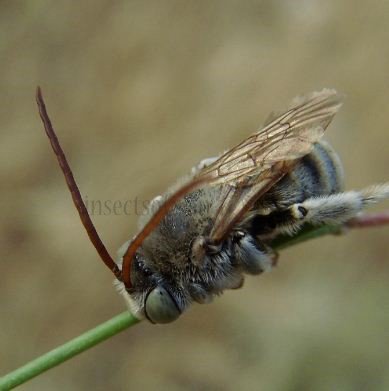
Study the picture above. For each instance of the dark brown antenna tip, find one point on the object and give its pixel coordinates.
(73, 188)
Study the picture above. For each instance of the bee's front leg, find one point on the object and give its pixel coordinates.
(203, 163)
(253, 256)
(202, 247)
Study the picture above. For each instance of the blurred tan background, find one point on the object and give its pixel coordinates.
(138, 93)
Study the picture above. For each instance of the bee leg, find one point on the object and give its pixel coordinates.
(203, 163)
(239, 284)
(201, 247)
(337, 208)
(331, 209)
(199, 294)
(252, 255)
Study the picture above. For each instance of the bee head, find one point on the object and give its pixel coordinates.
(151, 295)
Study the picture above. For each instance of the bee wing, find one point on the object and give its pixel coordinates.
(238, 200)
(251, 168)
(289, 136)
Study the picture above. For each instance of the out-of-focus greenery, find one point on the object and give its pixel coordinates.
(138, 93)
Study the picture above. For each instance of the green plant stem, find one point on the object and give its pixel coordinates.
(64, 352)
(121, 322)
(307, 233)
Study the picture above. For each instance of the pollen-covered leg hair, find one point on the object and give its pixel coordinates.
(337, 208)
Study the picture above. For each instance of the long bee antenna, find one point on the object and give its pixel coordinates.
(73, 188)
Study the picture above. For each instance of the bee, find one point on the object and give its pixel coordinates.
(217, 224)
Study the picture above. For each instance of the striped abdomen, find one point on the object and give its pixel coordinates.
(318, 173)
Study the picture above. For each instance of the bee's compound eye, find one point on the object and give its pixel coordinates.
(160, 307)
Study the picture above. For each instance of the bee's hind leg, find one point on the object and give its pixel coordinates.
(338, 208)
(332, 209)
